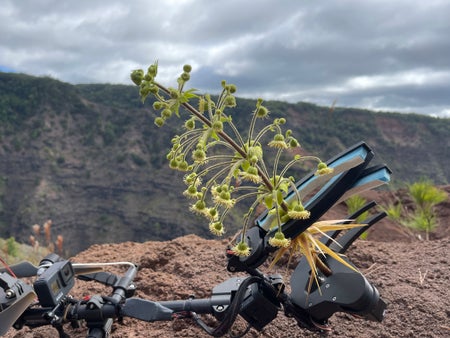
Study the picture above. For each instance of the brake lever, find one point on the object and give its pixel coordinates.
(106, 278)
(22, 269)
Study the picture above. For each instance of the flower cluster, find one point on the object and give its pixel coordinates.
(221, 166)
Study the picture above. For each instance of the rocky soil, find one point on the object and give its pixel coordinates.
(412, 276)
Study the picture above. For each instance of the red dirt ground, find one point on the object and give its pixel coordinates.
(412, 276)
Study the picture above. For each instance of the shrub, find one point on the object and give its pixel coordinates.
(425, 196)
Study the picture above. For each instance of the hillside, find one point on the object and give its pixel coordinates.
(89, 158)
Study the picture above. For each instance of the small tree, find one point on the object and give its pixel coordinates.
(422, 216)
(425, 196)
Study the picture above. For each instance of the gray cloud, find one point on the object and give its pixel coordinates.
(382, 55)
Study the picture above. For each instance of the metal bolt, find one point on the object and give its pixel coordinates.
(327, 286)
(333, 299)
(219, 307)
(310, 304)
(10, 293)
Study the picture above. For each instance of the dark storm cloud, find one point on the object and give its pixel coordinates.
(383, 55)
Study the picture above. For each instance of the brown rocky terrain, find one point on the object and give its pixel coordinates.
(412, 276)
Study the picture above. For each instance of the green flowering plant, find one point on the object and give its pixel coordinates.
(222, 167)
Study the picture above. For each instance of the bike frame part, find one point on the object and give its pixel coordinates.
(345, 290)
(15, 297)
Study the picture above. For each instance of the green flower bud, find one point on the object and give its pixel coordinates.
(278, 142)
(217, 126)
(200, 205)
(323, 169)
(241, 249)
(173, 164)
(232, 88)
(213, 212)
(166, 113)
(216, 228)
(183, 165)
(253, 159)
(137, 76)
(230, 101)
(174, 93)
(187, 68)
(262, 112)
(278, 137)
(153, 89)
(255, 151)
(199, 155)
(189, 124)
(252, 170)
(191, 178)
(159, 121)
(152, 70)
(157, 105)
(144, 88)
(225, 195)
(185, 76)
(293, 143)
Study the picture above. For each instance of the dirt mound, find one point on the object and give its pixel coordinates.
(412, 276)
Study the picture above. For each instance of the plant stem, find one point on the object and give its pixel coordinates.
(222, 134)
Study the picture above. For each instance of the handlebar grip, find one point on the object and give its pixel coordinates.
(196, 305)
(156, 311)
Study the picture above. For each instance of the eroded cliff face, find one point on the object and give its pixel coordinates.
(105, 206)
(98, 172)
(90, 159)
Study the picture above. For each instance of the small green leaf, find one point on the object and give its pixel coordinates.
(245, 165)
(284, 186)
(279, 197)
(214, 136)
(176, 108)
(268, 201)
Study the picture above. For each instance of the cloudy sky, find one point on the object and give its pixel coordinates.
(381, 55)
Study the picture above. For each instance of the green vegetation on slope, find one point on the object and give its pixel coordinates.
(88, 157)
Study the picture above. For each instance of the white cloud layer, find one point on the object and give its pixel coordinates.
(382, 55)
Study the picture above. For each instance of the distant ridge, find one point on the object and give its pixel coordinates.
(90, 158)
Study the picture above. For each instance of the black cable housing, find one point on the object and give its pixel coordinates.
(232, 311)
